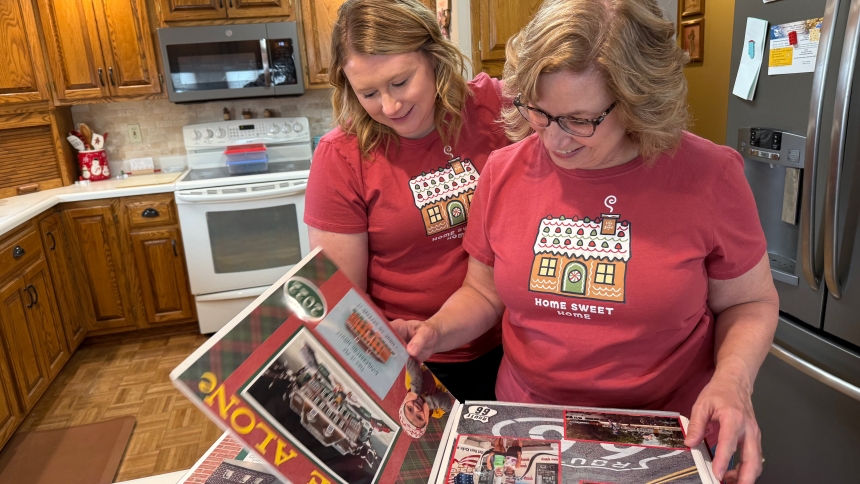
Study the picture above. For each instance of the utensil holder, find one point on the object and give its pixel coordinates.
(94, 165)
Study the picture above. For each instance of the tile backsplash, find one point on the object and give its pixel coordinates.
(161, 121)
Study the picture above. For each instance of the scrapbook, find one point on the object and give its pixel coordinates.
(312, 379)
(508, 443)
(228, 462)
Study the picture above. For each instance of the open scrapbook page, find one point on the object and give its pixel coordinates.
(508, 443)
(312, 379)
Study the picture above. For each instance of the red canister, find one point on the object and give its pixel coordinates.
(94, 165)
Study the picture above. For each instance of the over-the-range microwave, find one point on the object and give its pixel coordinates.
(231, 61)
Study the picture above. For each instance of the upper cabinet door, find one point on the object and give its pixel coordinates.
(24, 76)
(72, 38)
(259, 8)
(318, 17)
(175, 10)
(126, 42)
(499, 21)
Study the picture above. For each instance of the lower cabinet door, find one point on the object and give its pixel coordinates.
(44, 319)
(10, 413)
(63, 277)
(163, 278)
(31, 377)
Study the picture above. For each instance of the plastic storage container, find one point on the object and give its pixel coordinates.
(245, 159)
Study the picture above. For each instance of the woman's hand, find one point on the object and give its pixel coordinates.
(726, 400)
(421, 337)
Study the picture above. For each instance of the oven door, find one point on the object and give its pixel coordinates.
(242, 236)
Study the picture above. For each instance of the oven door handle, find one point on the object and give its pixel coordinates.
(241, 197)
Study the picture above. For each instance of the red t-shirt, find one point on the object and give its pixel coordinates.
(605, 272)
(414, 205)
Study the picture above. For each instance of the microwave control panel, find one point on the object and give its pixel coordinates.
(244, 131)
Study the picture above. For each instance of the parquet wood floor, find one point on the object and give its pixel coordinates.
(130, 377)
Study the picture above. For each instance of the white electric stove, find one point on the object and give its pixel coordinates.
(242, 232)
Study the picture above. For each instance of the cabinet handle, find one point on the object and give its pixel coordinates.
(35, 295)
(231, 3)
(221, 3)
(18, 252)
(53, 241)
(30, 295)
(173, 242)
(150, 213)
(110, 74)
(101, 77)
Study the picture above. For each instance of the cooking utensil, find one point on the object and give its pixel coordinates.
(81, 137)
(87, 132)
(98, 141)
(76, 142)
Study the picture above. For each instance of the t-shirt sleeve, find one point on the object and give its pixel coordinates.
(488, 92)
(738, 239)
(477, 240)
(334, 201)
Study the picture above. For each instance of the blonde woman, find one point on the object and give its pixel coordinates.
(390, 188)
(626, 253)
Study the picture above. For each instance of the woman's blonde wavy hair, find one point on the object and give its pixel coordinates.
(628, 42)
(374, 27)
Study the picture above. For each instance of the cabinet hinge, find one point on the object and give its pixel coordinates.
(479, 46)
(134, 311)
(115, 219)
(158, 7)
(161, 79)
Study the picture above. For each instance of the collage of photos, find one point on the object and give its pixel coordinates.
(645, 430)
(497, 460)
(306, 394)
(595, 446)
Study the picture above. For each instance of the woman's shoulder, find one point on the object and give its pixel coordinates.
(483, 82)
(485, 92)
(339, 143)
(513, 158)
(702, 154)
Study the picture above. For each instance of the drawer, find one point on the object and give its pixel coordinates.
(19, 249)
(151, 211)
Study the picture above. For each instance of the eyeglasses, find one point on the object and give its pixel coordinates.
(575, 126)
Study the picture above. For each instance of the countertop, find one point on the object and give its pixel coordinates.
(16, 210)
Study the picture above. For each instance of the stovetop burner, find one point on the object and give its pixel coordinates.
(222, 171)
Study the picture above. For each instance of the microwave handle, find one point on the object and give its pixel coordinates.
(264, 53)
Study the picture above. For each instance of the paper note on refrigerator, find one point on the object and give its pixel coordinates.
(794, 47)
(752, 53)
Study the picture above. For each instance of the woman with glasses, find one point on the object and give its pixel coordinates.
(625, 253)
(391, 186)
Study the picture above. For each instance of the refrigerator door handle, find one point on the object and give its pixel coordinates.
(810, 259)
(837, 150)
(813, 371)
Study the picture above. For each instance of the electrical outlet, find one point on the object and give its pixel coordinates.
(134, 133)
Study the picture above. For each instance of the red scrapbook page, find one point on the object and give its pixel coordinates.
(312, 379)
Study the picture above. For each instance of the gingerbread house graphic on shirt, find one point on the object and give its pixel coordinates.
(582, 257)
(445, 195)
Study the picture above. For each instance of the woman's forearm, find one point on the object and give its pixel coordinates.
(743, 336)
(469, 312)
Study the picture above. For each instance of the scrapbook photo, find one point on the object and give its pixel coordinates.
(489, 460)
(648, 430)
(314, 400)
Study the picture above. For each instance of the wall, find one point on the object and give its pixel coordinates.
(709, 83)
(161, 121)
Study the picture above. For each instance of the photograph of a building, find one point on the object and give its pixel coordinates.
(581, 257)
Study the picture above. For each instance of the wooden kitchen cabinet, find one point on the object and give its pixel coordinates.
(163, 276)
(152, 225)
(57, 252)
(28, 366)
(25, 78)
(10, 413)
(493, 23)
(44, 320)
(94, 240)
(99, 49)
(182, 10)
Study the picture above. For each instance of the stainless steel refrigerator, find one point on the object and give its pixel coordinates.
(800, 137)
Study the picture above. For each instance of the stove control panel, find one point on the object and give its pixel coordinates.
(244, 131)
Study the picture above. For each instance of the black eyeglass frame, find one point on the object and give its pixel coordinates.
(594, 122)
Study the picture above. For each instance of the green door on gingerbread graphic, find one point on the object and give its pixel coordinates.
(574, 278)
(456, 213)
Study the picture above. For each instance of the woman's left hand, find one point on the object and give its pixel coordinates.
(726, 400)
